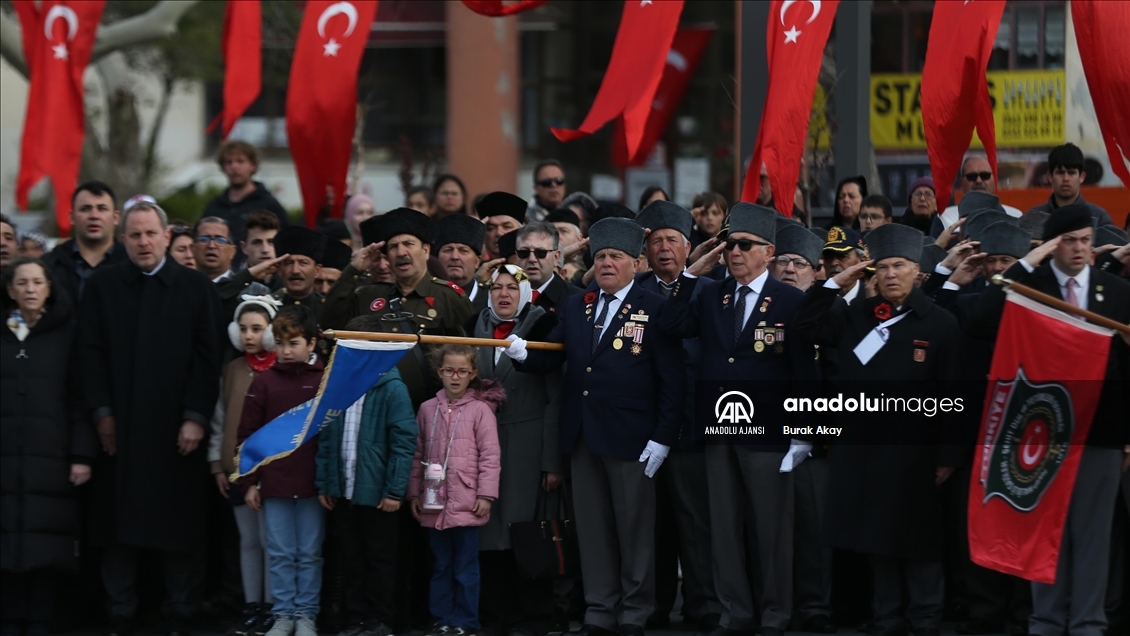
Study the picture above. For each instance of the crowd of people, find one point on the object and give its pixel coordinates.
(141, 353)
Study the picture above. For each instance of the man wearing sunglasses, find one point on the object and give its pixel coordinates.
(539, 253)
(549, 190)
(741, 324)
(976, 176)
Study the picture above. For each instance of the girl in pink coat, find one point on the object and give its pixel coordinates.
(454, 480)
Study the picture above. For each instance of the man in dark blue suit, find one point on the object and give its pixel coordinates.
(682, 528)
(741, 324)
(621, 404)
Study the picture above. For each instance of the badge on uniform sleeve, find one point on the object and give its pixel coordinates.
(377, 305)
(457, 288)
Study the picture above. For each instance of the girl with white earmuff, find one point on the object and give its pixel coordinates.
(249, 332)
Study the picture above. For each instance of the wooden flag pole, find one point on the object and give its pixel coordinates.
(440, 340)
(1061, 305)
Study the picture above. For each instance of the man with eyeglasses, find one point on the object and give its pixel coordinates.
(539, 254)
(874, 211)
(458, 242)
(213, 252)
(741, 324)
(94, 223)
(844, 249)
(549, 190)
(797, 258)
(1066, 169)
(976, 176)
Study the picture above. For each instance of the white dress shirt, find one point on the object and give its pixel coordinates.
(613, 307)
(1083, 280)
(158, 268)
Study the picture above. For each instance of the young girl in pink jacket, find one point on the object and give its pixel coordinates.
(454, 480)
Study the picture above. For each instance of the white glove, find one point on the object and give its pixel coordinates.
(517, 349)
(654, 454)
(797, 453)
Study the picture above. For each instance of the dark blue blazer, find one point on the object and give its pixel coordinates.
(618, 399)
(708, 313)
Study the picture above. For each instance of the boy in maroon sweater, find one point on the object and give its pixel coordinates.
(284, 488)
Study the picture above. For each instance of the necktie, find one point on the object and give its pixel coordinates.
(503, 330)
(1071, 297)
(665, 289)
(599, 326)
(739, 312)
(535, 295)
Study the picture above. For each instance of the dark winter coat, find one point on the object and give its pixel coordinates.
(234, 212)
(276, 391)
(149, 350)
(41, 435)
(61, 261)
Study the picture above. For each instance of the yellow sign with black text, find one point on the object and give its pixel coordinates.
(1028, 109)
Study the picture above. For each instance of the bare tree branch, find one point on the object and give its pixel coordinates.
(155, 24)
(11, 43)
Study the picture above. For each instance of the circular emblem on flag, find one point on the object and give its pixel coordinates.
(377, 305)
(1032, 437)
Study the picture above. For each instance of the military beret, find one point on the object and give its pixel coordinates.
(1068, 218)
(335, 230)
(1110, 235)
(337, 254)
(975, 200)
(616, 233)
(895, 240)
(503, 204)
(794, 238)
(459, 228)
(396, 222)
(297, 240)
(1006, 239)
(508, 244)
(563, 215)
(664, 215)
(754, 219)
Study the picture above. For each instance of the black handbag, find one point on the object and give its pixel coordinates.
(547, 548)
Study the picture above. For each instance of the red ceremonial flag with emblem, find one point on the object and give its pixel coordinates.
(496, 8)
(955, 93)
(58, 38)
(795, 39)
(639, 54)
(321, 97)
(682, 60)
(243, 60)
(1044, 388)
(1101, 29)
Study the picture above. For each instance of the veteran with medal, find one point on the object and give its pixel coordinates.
(884, 498)
(621, 404)
(413, 302)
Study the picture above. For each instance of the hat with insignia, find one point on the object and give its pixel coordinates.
(1033, 223)
(975, 200)
(297, 240)
(1110, 235)
(337, 254)
(753, 219)
(1004, 238)
(616, 233)
(508, 244)
(1068, 218)
(664, 215)
(932, 254)
(503, 204)
(895, 240)
(794, 238)
(976, 223)
(459, 228)
(563, 215)
(335, 230)
(842, 239)
(396, 222)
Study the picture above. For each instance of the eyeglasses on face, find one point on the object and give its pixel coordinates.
(449, 372)
(545, 183)
(798, 263)
(973, 176)
(205, 239)
(744, 245)
(525, 253)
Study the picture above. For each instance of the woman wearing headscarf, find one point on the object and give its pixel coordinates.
(358, 208)
(527, 435)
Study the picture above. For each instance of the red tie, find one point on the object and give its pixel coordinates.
(1071, 297)
(503, 330)
(535, 296)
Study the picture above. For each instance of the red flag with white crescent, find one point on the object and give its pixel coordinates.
(682, 60)
(639, 54)
(955, 93)
(1101, 30)
(496, 8)
(795, 39)
(321, 99)
(1044, 388)
(58, 38)
(243, 60)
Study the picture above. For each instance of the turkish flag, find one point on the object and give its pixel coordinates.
(795, 40)
(955, 93)
(1101, 30)
(682, 60)
(495, 8)
(58, 38)
(243, 60)
(639, 54)
(1044, 388)
(321, 98)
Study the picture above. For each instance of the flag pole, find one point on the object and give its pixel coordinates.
(439, 340)
(1061, 305)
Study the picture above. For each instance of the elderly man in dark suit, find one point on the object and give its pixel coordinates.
(621, 403)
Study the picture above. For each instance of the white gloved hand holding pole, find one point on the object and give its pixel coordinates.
(517, 349)
(654, 454)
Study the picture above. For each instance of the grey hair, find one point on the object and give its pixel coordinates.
(142, 206)
(211, 219)
(969, 157)
(548, 229)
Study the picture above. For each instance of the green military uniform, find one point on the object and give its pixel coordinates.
(435, 307)
(313, 301)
